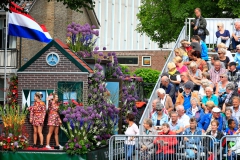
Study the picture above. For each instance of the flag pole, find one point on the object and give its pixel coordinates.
(5, 60)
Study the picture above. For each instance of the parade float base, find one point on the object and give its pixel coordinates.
(46, 154)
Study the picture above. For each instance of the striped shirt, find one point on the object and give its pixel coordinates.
(215, 75)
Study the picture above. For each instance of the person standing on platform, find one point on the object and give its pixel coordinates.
(37, 116)
(54, 120)
(199, 25)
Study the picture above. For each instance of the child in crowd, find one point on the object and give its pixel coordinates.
(231, 127)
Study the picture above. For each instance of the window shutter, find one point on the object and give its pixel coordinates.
(25, 98)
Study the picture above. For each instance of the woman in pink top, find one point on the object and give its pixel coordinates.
(179, 64)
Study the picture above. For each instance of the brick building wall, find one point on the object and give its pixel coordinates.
(45, 81)
(158, 58)
(55, 16)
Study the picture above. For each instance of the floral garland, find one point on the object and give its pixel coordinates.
(12, 95)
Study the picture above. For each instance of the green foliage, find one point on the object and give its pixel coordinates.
(163, 20)
(125, 69)
(149, 76)
(74, 5)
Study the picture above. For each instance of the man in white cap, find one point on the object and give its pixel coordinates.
(205, 122)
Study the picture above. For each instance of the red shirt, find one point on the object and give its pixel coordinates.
(168, 148)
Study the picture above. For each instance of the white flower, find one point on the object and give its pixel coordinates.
(98, 143)
(94, 137)
(1, 143)
(11, 144)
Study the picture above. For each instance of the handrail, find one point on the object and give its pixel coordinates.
(211, 39)
(148, 108)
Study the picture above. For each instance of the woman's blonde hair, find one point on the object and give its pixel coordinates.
(221, 45)
(180, 51)
(220, 24)
(210, 104)
(177, 59)
(171, 65)
(38, 94)
(193, 64)
(222, 50)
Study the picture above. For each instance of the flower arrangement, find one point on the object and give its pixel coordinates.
(13, 142)
(12, 94)
(79, 122)
(14, 136)
(129, 93)
(82, 38)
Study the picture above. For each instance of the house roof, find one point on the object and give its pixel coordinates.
(64, 49)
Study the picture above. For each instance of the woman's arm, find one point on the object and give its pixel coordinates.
(217, 89)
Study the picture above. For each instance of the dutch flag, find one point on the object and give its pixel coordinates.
(23, 25)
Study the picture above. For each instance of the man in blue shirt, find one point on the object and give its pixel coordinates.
(205, 122)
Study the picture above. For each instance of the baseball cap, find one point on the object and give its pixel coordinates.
(216, 109)
(188, 85)
(232, 64)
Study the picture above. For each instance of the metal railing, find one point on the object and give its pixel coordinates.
(12, 58)
(229, 147)
(162, 147)
(153, 96)
(211, 39)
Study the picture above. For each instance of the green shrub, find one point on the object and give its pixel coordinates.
(149, 76)
(125, 69)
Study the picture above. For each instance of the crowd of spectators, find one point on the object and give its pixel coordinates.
(197, 96)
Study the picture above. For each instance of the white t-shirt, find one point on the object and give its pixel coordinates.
(184, 120)
(133, 130)
(236, 114)
(229, 55)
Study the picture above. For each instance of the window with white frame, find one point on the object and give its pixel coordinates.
(128, 60)
(12, 40)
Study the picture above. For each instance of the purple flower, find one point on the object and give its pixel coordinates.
(109, 54)
(67, 115)
(79, 119)
(105, 57)
(104, 48)
(10, 135)
(96, 48)
(100, 54)
(98, 60)
(96, 79)
(101, 89)
(100, 68)
(93, 27)
(65, 119)
(76, 145)
(89, 95)
(114, 54)
(95, 52)
(15, 144)
(64, 112)
(114, 74)
(73, 115)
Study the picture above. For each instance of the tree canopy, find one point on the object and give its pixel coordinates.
(162, 20)
(75, 5)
